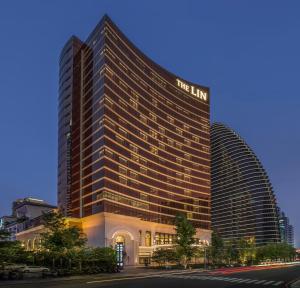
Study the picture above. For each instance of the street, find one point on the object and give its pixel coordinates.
(230, 277)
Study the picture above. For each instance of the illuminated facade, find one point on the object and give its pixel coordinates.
(134, 144)
(243, 202)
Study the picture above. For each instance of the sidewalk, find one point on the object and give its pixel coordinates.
(127, 272)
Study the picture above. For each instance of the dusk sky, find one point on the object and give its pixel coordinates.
(247, 52)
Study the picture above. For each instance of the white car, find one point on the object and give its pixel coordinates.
(32, 269)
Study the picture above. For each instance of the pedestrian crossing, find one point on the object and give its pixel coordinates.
(226, 279)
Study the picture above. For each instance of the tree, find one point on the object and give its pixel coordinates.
(4, 235)
(164, 256)
(185, 232)
(59, 238)
(217, 248)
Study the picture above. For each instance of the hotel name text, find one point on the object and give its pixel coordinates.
(196, 92)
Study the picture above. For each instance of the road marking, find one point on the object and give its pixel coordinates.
(260, 282)
(278, 283)
(269, 282)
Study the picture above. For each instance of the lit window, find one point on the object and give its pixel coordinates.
(179, 131)
(153, 134)
(161, 130)
(187, 156)
(135, 158)
(154, 150)
(153, 116)
(187, 142)
(170, 141)
(143, 119)
(196, 139)
(170, 119)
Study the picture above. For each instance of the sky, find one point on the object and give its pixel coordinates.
(247, 52)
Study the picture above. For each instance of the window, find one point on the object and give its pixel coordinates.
(119, 139)
(153, 150)
(179, 131)
(179, 160)
(187, 178)
(154, 102)
(122, 132)
(109, 153)
(205, 149)
(153, 134)
(143, 161)
(178, 145)
(123, 161)
(186, 127)
(143, 170)
(135, 158)
(133, 175)
(196, 139)
(133, 103)
(123, 170)
(170, 119)
(161, 130)
(143, 136)
(143, 119)
(110, 124)
(170, 141)
(187, 142)
(109, 102)
(161, 146)
(123, 103)
(144, 197)
(187, 156)
(153, 116)
(133, 148)
(123, 180)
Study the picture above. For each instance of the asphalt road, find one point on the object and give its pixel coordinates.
(279, 277)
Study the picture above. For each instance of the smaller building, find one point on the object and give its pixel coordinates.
(286, 229)
(25, 212)
(31, 236)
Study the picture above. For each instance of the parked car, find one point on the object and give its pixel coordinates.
(32, 269)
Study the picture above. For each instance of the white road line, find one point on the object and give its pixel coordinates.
(251, 281)
(278, 283)
(268, 283)
(260, 282)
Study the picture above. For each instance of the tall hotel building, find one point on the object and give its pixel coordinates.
(243, 201)
(134, 145)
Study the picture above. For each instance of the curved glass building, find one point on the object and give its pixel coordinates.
(134, 144)
(243, 202)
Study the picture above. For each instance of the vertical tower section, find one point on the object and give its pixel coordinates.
(67, 89)
(243, 201)
(140, 136)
